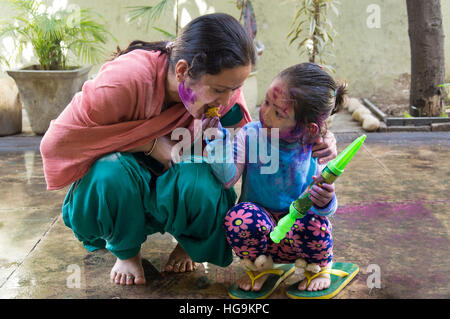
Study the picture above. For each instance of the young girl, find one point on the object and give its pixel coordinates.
(296, 107)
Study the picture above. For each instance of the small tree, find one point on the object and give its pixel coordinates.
(426, 35)
(312, 16)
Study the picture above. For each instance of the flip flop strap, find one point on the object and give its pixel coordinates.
(253, 278)
(336, 272)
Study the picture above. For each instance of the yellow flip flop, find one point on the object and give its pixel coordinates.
(341, 275)
(276, 276)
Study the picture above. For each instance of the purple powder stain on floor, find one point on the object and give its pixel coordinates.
(405, 238)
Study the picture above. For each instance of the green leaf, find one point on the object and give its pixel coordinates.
(137, 12)
(151, 13)
(297, 30)
(297, 15)
(312, 26)
(407, 115)
(169, 35)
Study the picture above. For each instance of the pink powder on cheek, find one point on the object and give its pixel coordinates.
(187, 96)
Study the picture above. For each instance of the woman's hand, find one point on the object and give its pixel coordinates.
(163, 151)
(325, 148)
(321, 196)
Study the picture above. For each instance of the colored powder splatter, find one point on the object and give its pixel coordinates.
(295, 133)
(278, 90)
(187, 96)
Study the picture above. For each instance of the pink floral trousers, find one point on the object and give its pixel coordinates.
(248, 225)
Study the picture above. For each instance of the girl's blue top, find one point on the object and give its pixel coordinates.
(276, 172)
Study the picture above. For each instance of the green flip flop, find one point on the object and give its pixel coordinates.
(341, 274)
(276, 276)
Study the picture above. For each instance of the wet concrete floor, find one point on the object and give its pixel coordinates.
(393, 221)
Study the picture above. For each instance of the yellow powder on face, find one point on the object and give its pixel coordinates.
(212, 112)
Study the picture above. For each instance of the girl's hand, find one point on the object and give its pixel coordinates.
(325, 148)
(210, 122)
(321, 196)
(212, 128)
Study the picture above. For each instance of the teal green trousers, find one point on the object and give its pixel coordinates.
(118, 203)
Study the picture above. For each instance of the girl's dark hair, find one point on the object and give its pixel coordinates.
(314, 92)
(209, 43)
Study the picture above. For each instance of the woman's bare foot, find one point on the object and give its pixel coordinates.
(321, 282)
(179, 261)
(128, 271)
(245, 283)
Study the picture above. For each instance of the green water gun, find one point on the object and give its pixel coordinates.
(299, 208)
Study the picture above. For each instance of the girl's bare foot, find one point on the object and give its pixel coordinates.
(245, 283)
(321, 282)
(179, 261)
(128, 271)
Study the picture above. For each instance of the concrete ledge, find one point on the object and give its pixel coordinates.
(398, 138)
(440, 127)
(383, 127)
(409, 128)
(421, 124)
(417, 121)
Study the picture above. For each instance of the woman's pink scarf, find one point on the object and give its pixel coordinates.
(117, 111)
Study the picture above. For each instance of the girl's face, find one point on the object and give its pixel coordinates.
(277, 111)
(211, 90)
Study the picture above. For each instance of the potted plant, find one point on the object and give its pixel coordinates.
(57, 38)
(312, 29)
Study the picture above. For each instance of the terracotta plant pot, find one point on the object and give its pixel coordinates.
(45, 94)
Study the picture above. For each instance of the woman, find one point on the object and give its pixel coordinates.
(112, 143)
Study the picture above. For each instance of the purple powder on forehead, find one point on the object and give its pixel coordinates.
(186, 94)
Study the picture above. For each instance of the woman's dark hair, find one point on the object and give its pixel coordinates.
(314, 92)
(209, 43)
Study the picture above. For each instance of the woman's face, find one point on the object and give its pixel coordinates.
(211, 90)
